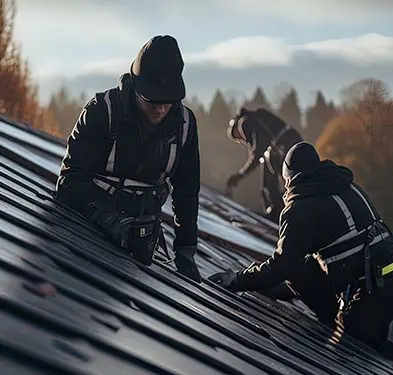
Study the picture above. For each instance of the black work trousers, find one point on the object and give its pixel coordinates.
(369, 318)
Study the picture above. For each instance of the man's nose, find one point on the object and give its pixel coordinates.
(160, 108)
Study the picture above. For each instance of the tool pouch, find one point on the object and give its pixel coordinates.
(143, 236)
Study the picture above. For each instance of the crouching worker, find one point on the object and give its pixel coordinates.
(129, 143)
(330, 222)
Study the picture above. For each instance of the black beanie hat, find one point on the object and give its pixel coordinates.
(302, 157)
(157, 71)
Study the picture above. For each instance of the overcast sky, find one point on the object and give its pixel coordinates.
(234, 45)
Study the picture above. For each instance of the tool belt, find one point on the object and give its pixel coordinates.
(136, 225)
(373, 278)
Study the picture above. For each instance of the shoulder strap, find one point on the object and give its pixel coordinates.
(112, 132)
(186, 124)
(113, 128)
(174, 152)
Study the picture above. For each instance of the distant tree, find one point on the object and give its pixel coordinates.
(360, 138)
(199, 111)
(18, 95)
(317, 117)
(366, 88)
(65, 110)
(220, 112)
(289, 110)
(258, 100)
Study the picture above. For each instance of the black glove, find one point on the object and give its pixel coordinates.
(185, 262)
(227, 279)
(137, 235)
(233, 180)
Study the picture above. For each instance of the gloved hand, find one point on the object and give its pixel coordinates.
(227, 279)
(233, 180)
(137, 235)
(185, 262)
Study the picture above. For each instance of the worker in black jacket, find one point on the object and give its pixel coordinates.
(130, 144)
(268, 138)
(328, 221)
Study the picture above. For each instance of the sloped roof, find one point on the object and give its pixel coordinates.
(73, 303)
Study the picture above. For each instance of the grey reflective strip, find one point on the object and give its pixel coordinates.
(345, 237)
(356, 190)
(108, 105)
(345, 210)
(111, 159)
(171, 159)
(127, 181)
(351, 224)
(240, 129)
(280, 134)
(173, 149)
(103, 185)
(254, 141)
(352, 231)
(354, 250)
(186, 124)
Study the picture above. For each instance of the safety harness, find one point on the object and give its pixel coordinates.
(111, 183)
(353, 242)
(272, 158)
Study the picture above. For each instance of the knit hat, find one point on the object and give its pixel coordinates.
(157, 71)
(302, 157)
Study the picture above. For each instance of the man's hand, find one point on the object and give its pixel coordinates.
(227, 279)
(185, 262)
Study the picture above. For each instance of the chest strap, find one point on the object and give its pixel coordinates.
(353, 241)
(111, 183)
(110, 164)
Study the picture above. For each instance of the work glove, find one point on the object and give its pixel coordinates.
(185, 262)
(139, 236)
(227, 279)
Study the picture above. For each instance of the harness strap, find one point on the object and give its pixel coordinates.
(173, 149)
(110, 164)
(353, 241)
(275, 137)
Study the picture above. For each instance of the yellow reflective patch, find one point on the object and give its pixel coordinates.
(387, 269)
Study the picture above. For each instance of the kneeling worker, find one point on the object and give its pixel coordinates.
(330, 221)
(130, 143)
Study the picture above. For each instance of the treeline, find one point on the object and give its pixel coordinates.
(358, 132)
(220, 157)
(309, 123)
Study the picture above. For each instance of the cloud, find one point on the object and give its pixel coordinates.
(58, 37)
(246, 52)
(314, 12)
(243, 52)
(254, 51)
(366, 49)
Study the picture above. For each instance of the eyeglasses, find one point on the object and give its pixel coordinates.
(150, 102)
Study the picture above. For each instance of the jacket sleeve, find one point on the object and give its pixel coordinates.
(252, 161)
(186, 186)
(296, 240)
(85, 147)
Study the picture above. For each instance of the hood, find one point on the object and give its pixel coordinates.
(326, 179)
(127, 96)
